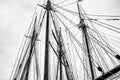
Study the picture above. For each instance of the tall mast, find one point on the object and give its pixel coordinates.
(85, 34)
(84, 30)
(60, 54)
(46, 63)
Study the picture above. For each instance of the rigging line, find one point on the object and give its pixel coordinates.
(19, 64)
(19, 56)
(67, 67)
(40, 25)
(112, 19)
(103, 44)
(106, 27)
(76, 14)
(74, 38)
(112, 60)
(41, 22)
(97, 48)
(110, 47)
(91, 56)
(54, 23)
(105, 34)
(107, 52)
(72, 12)
(74, 24)
(111, 51)
(85, 13)
(53, 49)
(103, 40)
(92, 43)
(114, 43)
(94, 22)
(80, 11)
(102, 59)
(74, 59)
(21, 51)
(98, 42)
(34, 14)
(68, 19)
(37, 64)
(69, 60)
(61, 2)
(55, 52)
(102, 15)
(86, 39)
(28, 62)
(95, 53)
(68, 4)
(110, 57)
(78, 54)
(112, 37)
(90, 21)
(70, 73)
(92, 14)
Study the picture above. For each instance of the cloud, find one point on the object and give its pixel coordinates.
(15, 18)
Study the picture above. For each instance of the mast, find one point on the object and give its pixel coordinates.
(85, 34)
(46, 63)
(60, 54)
(84, 29)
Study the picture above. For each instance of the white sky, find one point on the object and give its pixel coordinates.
(15, 18)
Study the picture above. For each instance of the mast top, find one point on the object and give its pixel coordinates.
(80, 0)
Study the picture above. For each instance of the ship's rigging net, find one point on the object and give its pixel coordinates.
(77, 42)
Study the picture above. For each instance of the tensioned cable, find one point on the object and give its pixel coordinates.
(75, 38)
(86, 15)
(100, 22)
(22, 52)
(106, 27)
(61, 2)
(93, 25)
(78, 54)
(105, 34)
(98, 42)
(106, 43)
(72, 12)
(102, 15)
(68, 19)
(68, 4)
(76, 13)
(60, 19)
(107, 46)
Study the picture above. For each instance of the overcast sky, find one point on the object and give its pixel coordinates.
(15, 18)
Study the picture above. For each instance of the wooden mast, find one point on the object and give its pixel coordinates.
(85, 34)
(60, 54)
(46, 63)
